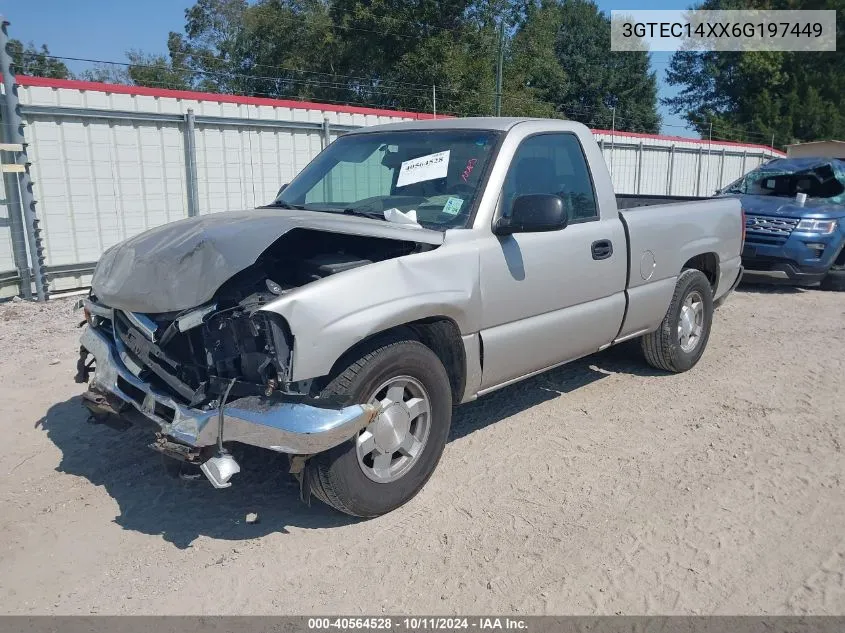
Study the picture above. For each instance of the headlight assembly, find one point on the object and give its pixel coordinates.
(825, 227)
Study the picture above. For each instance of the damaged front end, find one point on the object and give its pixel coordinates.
(178, 332)
(207, 376)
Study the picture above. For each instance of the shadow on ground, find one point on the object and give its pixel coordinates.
(151, 502)
(770, 288)
(625, 359)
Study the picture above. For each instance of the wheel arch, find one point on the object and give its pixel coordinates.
(440, 334)
(707, 263)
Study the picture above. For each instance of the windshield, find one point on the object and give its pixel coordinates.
(431, 178)
(821, 181)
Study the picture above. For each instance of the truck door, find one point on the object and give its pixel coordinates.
(553, 296)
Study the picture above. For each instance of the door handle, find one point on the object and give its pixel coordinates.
(602, 249)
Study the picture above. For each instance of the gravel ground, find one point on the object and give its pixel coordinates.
(602, 487)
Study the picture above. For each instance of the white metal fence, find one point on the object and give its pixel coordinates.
(673, 166)
(111, 161)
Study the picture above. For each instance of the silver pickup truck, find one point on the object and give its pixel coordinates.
(408, 268)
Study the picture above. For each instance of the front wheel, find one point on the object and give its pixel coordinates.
(835, 279)
(679, 342)
(391, 459)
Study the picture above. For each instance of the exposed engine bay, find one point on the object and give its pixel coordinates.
(228, 345)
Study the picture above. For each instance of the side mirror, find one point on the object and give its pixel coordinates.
(281, 189)
(533, 213)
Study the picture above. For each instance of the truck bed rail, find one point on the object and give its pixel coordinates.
(633, 200)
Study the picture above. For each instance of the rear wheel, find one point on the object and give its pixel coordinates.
(679, 342)
(390, 460)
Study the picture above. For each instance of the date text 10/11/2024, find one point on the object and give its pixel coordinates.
(417, 623)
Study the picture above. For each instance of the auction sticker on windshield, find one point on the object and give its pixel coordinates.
(453, 206)
(429, 167)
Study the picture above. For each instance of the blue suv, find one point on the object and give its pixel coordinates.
(795, 221)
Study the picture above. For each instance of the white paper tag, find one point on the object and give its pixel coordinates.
(428, 167)
(400, 217)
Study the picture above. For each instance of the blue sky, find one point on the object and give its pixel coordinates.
(106, 29)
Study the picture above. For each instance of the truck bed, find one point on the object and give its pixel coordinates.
(633, 200)
(662, 239)
(673, 233)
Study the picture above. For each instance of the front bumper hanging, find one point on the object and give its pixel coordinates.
(285, 427)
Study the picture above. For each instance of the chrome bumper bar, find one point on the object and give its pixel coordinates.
(285, 427)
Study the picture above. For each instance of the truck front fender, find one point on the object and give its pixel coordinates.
(328, 317)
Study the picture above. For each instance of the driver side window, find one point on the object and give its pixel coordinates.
(552, 164)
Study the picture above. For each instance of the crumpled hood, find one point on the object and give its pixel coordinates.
(788, 207)
(182, 264)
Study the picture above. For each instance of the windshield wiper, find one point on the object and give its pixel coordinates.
(301, 207)
(285, 205)
(376, 215)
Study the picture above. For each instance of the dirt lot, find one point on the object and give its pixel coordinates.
(603, 487)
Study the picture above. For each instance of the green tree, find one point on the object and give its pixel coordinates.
(753, 96)
(401, 49)
(269, 48)
(560, 57)
(156, 71)
(534, 77)
(36, 62)
(385, 53)
(142, 69)
(391, 53)
(106, 73)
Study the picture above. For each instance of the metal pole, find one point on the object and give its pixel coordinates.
(326, 133)
(721, 170)
(700, 165)
(22, 194)
(639, 167)
(744, 154)
(612, 138)
(671, 170)
(499, 68)
(191, 164)
(773, 143)
(16, 225)
(434, 100)
(709, 145)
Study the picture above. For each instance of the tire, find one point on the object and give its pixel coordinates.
(663, 348)
(834, 282)
(345, 481)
